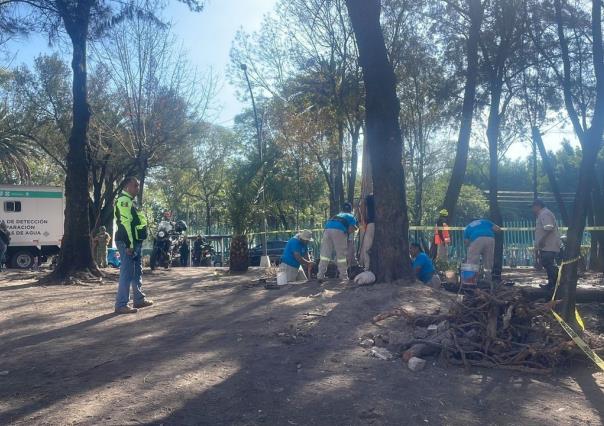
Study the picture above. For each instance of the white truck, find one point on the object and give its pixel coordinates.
(34, 217)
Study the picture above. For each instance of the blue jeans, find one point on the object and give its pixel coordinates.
(131, 273)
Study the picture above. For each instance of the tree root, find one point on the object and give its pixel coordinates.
(499, 330)
(85, 277)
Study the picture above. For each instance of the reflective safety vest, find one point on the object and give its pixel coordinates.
(447, 239)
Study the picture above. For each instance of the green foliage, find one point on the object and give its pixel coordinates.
(472, 202)
(244, 201)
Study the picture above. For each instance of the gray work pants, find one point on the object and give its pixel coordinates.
(336, 241)
(482, 247)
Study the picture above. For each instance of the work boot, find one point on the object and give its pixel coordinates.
(145, 303)
(125, 310)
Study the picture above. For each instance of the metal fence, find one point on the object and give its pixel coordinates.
(518, 241)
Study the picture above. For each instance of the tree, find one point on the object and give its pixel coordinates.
(426, 106)
(160, 95)
(475, 15)
(307, 55)
(589, 132)
(500, 43)
(244, 200)
(80, 20)
(384, 141)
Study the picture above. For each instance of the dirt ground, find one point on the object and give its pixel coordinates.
(221, 350)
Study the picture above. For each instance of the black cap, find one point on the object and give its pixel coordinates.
(538, 202)
(347, 207)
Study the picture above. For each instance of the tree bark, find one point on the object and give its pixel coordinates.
(591, 141)
(535, 173)
(593, 246)
(493, 130)
(354, 161)
(598, 218)
(367, 173)
(143, 166)
(463, 142)
(208, 217)
(76, 253)
(390, 252)
(549, 171)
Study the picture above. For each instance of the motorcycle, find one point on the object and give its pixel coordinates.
(203, 254)
(207, 255)
(167, 242)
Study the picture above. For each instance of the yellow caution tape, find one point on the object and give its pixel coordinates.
(579, 342)
(569, 330)
(564, 263)
(431, 229)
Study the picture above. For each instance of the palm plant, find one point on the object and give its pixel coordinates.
(14, 151)
(243, 206)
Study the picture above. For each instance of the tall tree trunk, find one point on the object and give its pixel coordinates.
(549, 171)
(596, 215)
(593, 246)
(390, 252)
(493, 130)
(467, 113)
(367, 173)
(208, 217)
(591, 141)
(143, 166)
(334, 193)
(76, 253)
(339, 174)
(354, 161)
(575, 234)
(535, 173)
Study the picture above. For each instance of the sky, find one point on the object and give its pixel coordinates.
(207, 38)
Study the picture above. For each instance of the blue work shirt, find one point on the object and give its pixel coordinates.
(426, 266)
(294, 245)
(479, 228)
(335, 224)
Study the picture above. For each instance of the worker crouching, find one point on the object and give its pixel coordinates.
(423, 267)
(296, 258)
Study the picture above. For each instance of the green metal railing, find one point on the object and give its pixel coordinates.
(518, 241)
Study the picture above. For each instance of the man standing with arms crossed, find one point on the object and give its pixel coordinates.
(131, 232)
(547, 242)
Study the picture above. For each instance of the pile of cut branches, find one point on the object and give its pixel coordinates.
(500, 330)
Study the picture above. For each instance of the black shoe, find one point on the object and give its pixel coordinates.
(546, 287)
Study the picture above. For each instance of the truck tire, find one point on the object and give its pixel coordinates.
(22, 259)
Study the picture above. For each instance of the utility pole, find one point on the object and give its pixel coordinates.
(265, 261)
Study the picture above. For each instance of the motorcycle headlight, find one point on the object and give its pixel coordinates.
(161, 234)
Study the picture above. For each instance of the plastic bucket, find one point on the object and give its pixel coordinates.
(469, 274)
(281, 278)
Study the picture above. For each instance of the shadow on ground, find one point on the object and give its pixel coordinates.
(220, 350)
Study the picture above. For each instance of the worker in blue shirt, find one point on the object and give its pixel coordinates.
(296, 258)
(479, 238)
(335, 239)
(423, 267)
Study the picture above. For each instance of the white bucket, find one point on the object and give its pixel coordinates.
(281, 278)
(469, 274)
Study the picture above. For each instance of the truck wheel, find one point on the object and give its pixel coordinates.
(22, 260)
